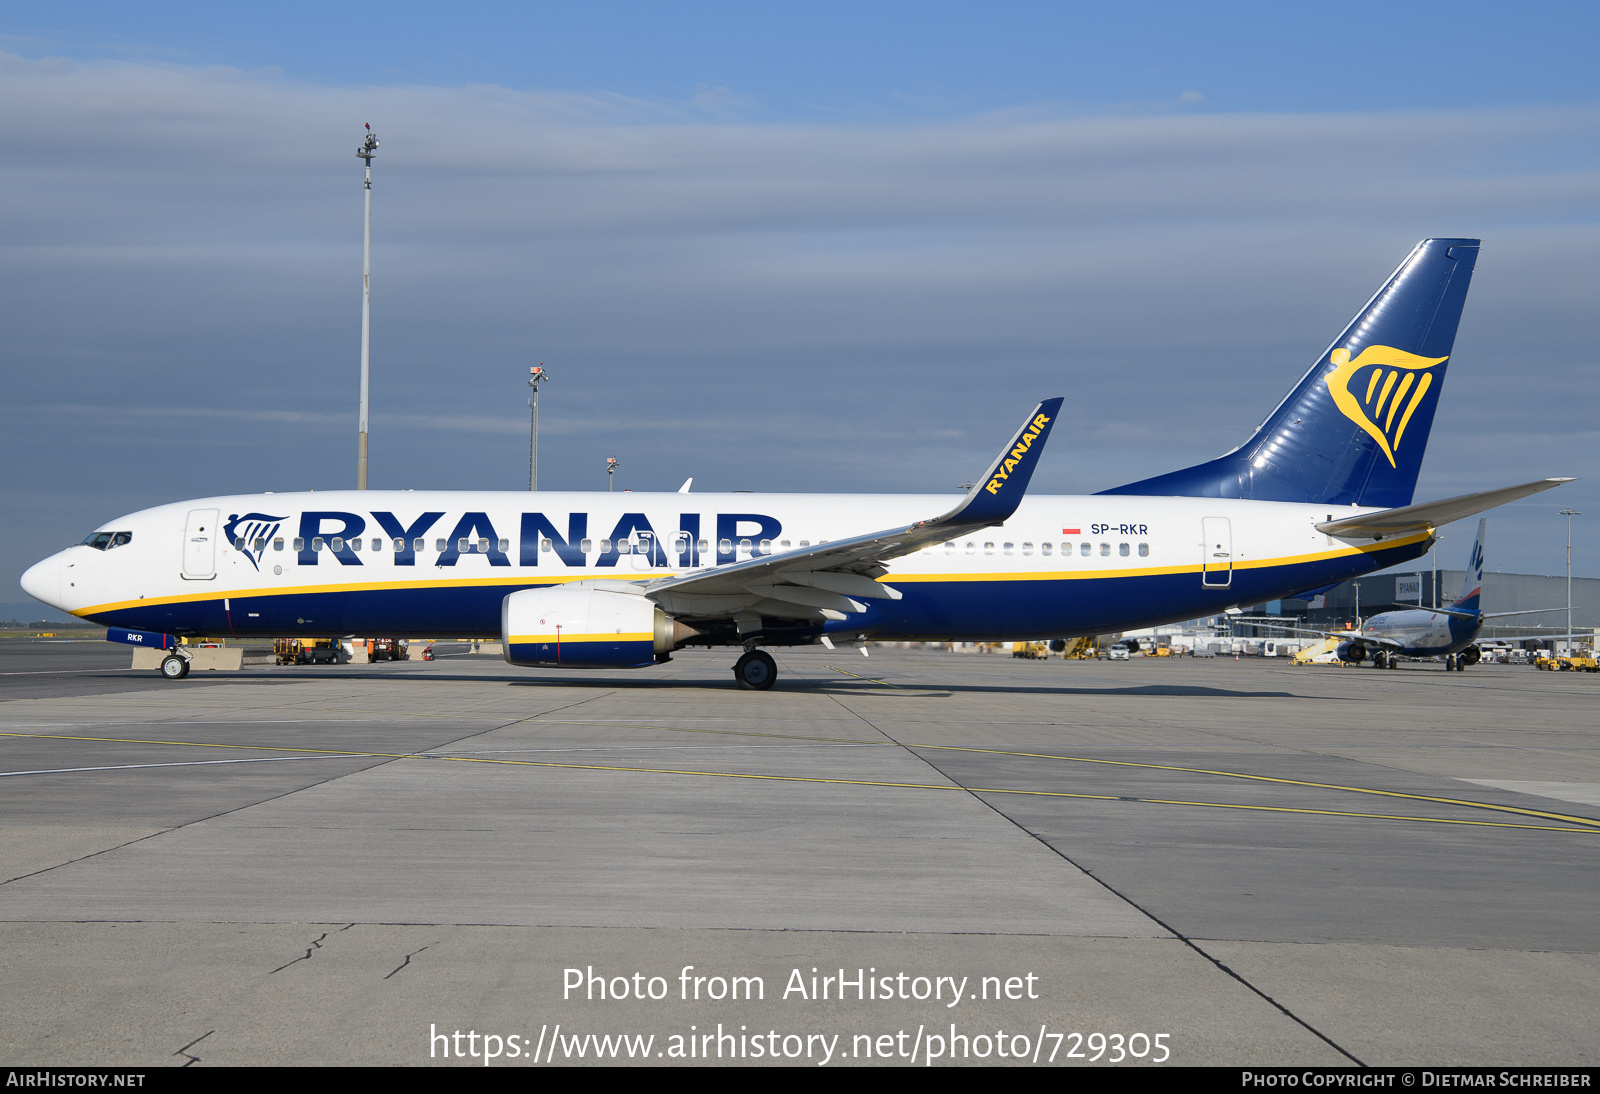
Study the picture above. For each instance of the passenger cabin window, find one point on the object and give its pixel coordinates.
(277, 544)
(260, 545)
(400, 546)
(1085, 549)
(316, 543)
(1122, 549)
(949, 548)
(441, 545)
(704, 545)
(338, 543)
(299, 543)
(1144, 550)
(1105, 550)
(1027, 549)
(419, 545)
(1008, 548)
(1044, 548)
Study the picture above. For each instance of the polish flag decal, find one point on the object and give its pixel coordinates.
(1071, 532)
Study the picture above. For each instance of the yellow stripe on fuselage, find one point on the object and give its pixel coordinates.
(527, 579)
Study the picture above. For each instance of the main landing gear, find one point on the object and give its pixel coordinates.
(174, 667)
(756, 670)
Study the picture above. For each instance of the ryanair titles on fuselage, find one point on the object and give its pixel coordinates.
(339, 532)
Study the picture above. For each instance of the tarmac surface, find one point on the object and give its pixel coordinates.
(1210, 861)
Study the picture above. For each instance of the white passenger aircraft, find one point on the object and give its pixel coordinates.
(1450, 633)
(1319, 493)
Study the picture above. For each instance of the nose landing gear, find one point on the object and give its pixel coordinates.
(174, 667)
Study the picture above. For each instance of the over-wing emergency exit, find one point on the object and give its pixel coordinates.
(1320, 492)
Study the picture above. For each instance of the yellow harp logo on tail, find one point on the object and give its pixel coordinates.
(1395, 375)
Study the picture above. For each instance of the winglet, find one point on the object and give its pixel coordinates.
(1000, 490)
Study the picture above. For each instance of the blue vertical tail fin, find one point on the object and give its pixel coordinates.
(1470, 599)
(1354, 429)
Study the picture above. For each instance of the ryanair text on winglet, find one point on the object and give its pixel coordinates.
(1014, 457)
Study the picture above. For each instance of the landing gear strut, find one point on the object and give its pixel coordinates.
(1380, 660)
(756, 670)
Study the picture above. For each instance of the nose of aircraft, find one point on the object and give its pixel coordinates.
(42, 581)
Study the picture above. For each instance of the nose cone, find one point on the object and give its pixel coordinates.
(42, 581)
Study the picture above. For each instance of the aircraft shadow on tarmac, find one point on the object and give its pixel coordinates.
(906, 689)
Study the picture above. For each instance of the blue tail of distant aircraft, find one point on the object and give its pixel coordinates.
(1470, 599)
(1354, 430)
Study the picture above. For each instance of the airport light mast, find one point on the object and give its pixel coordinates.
(368, 149)
(1569, 514)
(611, 471)
(536, 376)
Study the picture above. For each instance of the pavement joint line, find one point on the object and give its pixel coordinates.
(1589, 825)
(1140, 908)
(179, 763)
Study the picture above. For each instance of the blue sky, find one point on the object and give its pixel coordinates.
(831, 247)
(823, 61)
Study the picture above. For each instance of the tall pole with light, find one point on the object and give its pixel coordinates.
(536, 376)
(611, 471)
(368, 149)
(1569, 514)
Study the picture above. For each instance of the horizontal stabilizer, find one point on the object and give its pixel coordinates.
(1431, 514)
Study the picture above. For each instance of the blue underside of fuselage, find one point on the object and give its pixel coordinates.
(1017, 608)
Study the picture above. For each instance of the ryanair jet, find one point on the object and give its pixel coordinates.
(1321, 492)
(1451, 633)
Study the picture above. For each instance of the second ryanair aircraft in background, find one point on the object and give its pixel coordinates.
(1320, 492)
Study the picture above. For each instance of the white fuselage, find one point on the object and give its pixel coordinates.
(438, 563)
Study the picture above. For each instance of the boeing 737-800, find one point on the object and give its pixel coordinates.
(1450, 633)
(1319, 493)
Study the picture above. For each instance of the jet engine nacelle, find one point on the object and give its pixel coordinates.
(1353, 652)
(578, 626)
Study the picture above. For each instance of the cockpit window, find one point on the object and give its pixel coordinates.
(104, 541)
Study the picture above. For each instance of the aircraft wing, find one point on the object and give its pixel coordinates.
(1430, 514)
(823, 578)
(1363, 636)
